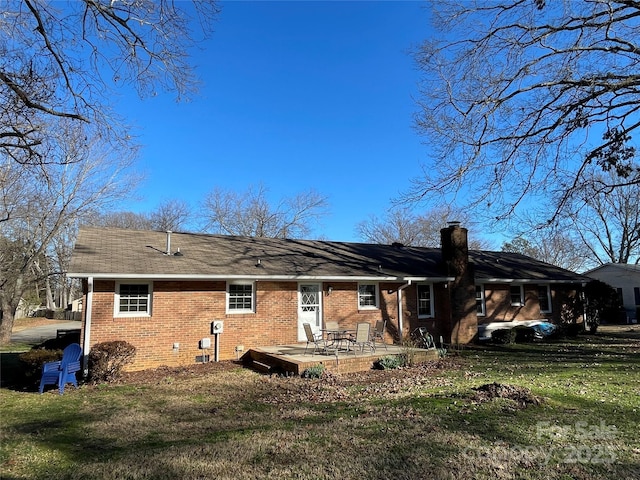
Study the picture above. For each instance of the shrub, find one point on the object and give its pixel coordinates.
(107, 359)
(409, 351)
(524, 334)
(60, 343)
(389, 362)
(442, 352)
(567, 330)
(315, 371)
(34, 359)
(503, 336)
(573, 329)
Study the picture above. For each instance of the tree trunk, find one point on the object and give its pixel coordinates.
(6, 322)
(50, 303)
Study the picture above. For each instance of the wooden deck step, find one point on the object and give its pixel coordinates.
(259, 366)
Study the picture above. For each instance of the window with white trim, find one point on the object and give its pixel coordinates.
(517, 295)
(425, 300)
(544, 298)
(132, 300)
(480, 303)
(240, 297)
(367, 296)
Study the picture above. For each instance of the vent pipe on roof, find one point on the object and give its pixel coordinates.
(168, 252)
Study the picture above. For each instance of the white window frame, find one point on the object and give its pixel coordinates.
(253, 298)
(481, 298)
(116, 300)
(519, 303)
(547, 287)
(377, 296)
(431, 313)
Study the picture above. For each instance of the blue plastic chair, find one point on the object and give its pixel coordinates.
(63, 371)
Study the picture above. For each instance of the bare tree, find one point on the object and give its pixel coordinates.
(120, 219)
(62, 62)
(251, 214)
(553, 247)
(402, 226)
(520, 96)
(172, 215)
(606, 219)
(40, 201)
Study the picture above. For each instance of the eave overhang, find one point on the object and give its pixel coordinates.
(334, 278)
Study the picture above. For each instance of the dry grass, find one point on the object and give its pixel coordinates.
(30, 322)
(221, 421)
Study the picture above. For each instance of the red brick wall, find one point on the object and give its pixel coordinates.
(499, 308)
(182, 313)
(341, 305)
(439, 324)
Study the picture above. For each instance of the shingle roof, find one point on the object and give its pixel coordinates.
(505, 266)
(121, 253)
(615, 266)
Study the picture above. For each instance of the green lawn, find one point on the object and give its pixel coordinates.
(224, 422)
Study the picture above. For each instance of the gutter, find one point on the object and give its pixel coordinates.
(187, 277)
(400, 313)
(480, 280)
(87, 328)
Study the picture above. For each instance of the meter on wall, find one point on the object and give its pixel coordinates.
(217, 326)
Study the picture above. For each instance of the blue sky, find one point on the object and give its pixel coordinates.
(295, 95)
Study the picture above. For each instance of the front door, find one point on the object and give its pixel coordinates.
(309, 308)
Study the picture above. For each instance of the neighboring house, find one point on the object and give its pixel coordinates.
(625, 279)
(162, 292)
(25, 309)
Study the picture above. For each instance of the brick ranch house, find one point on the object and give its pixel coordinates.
(163, 291)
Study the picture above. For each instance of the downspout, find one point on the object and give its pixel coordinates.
(400, 319)
(87, 328)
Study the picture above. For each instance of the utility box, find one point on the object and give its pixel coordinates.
(217, 326)
(205, 343)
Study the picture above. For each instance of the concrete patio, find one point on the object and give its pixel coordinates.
(292, 359)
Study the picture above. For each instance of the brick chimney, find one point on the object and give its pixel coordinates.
(463, 325)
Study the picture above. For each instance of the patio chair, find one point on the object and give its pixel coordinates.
(378, 332)
(64, 371)
(319, 343)
(331, 326)
(362, 338)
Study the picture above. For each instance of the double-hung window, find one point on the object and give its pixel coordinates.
(480, 303)
(544, 297)
(425, 300)
(517, 295)
(133, 300)
(240, 297)
(367, 296)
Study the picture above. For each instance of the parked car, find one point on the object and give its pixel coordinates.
(543, 328)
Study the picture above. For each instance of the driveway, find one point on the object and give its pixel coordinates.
(37, 335)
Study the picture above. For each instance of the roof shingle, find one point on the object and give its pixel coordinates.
(121, 253)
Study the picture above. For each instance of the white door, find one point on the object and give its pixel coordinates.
(309, 308)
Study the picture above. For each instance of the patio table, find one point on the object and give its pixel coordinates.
(338, 336)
